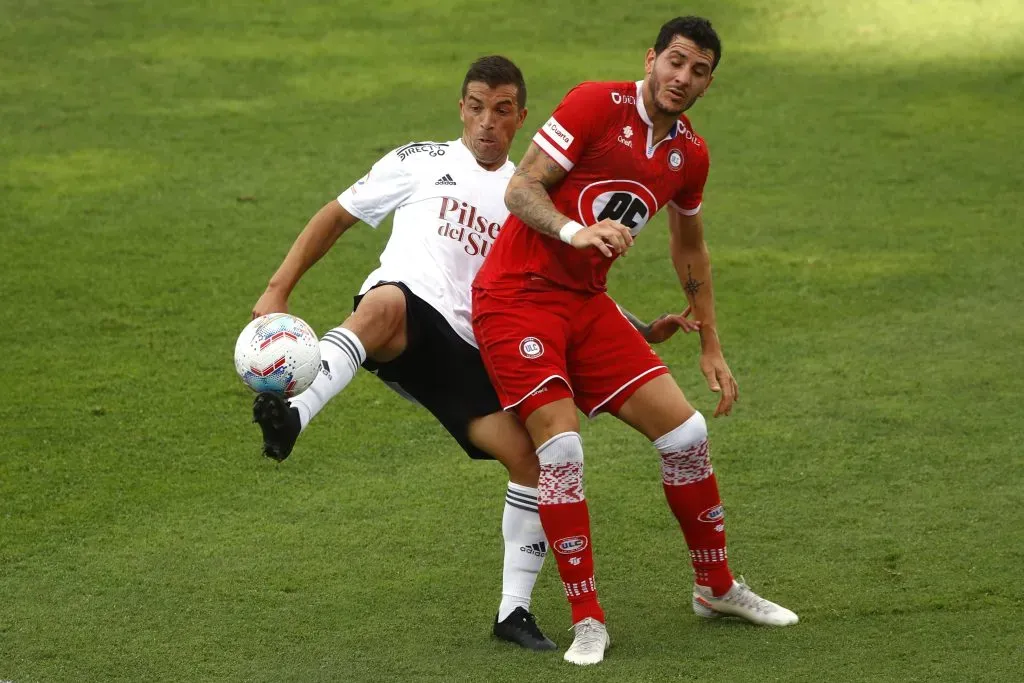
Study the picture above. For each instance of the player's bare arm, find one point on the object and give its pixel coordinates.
(663, 327)
(527, 197)
(692, 263)
(315, 240)
(527, 193)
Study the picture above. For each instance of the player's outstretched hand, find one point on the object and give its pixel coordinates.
(609, 237)
(667, 325)
(272, 301)
(720, 380)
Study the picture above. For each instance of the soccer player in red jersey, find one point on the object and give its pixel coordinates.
(607, 160)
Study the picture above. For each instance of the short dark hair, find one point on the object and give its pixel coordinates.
(697, 29)
(496, 70)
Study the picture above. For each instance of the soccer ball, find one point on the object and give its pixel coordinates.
(277, 353)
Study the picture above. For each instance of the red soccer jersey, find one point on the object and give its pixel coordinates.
(601, 135)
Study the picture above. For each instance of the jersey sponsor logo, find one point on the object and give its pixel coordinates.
(712, 515)
(627, 133)
(675, 160)
(619, 98)
(531, 348)
(570, 545)
(446, 179)
(625, 201)
(558, 134)
(461, 222)
(688, 134)
(434, 149)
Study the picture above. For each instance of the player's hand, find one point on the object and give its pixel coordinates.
(667, 325)
(609, 237)
(720, 380)
(272, 301)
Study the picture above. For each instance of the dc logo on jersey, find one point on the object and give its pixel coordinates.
(625, 201)
(675, 160)
(531, 347)
(570, 545)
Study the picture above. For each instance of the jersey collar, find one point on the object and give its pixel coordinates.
(642, 111)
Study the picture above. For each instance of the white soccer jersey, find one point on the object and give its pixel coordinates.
(448, 211)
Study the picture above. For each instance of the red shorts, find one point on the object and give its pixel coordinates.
(529, 337)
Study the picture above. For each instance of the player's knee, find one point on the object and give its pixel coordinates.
(523, 468)
(685, 457)
(385, 305)
(549, 411)
(380, 317)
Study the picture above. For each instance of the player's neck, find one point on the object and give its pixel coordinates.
(492, 166)
(661, 123)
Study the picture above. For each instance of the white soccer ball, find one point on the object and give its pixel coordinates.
(278, 353)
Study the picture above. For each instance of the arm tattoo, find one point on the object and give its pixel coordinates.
(692, 285)
(527, 196)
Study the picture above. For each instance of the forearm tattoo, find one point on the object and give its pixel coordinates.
(692, 285)
(527, 196)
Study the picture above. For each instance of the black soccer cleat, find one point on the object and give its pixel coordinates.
(279, 422)
(520, 628)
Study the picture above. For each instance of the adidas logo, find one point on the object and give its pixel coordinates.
(446, 179)
(538, 549)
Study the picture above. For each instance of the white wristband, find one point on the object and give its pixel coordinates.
(568, 230)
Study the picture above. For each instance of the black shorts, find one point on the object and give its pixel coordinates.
(440, 369)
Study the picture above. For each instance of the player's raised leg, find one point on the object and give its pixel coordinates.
(502, 436)
(554, 428)
(659, 410)
(376, 329)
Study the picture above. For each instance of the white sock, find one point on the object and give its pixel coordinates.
(341, 354)
(525, 548)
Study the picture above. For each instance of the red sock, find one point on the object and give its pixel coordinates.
(569, 525)
(566, 521)
(692, 494)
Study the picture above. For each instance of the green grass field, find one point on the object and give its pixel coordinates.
(864, 213)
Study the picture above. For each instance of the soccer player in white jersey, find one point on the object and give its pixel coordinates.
(412, 322)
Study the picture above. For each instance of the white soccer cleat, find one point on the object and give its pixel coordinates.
(590, 642)
(741, 602)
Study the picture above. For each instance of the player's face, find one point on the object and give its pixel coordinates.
(678, 76)
(490, 119)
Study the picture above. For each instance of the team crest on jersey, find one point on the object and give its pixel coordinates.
(675, 160)
(531, 348)
(625, 201)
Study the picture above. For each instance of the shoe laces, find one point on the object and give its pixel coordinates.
(745, 597)
(589, 634)
(529, 624)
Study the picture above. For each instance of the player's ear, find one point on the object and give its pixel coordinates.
(649, 61)
(705, 90)
(522, 117)
(462, 114)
